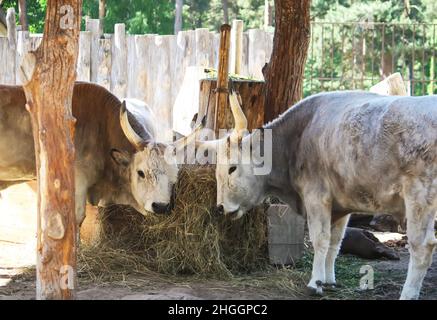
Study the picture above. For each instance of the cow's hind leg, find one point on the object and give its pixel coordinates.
(319, 225)
(338, 229)
(420, 213)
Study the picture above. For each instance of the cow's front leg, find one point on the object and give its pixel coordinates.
(319, 224)
(338, 229)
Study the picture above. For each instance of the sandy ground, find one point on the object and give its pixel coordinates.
(17, 251)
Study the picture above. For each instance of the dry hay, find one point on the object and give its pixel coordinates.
(191, 240)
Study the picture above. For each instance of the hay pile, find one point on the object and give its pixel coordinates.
(192, 239)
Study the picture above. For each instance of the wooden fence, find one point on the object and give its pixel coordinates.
(163, 71)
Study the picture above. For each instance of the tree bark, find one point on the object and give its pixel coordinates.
(225, 5)
(102, 14)
(48, 75)
(222, 75)
(285, 72)
(178, 16)
(22, 8)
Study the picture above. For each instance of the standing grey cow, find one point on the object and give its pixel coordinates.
(118, 160)
(342, 152)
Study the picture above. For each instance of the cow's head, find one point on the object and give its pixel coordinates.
(239, 189)
(151, 172)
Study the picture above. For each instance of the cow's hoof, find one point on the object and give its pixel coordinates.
(315, 292)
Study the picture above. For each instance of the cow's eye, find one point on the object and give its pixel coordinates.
(232, 169)
(141, 174)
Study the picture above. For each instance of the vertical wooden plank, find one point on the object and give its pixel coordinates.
(183, 55)
(140, 82)
(9, 50)
(236, 52)
(119, 62)
(92, 25)
(216, 49)
(84, 59)
(245, 55)
(22, 48)
(203, 45)
(257, 53)
(159, 69)
(131, 65)
(105, 62)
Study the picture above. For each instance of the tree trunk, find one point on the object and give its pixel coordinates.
(48, 75)
(178, 16)
(285, 72)
(225, 11)
(102, 14)
(22, 8)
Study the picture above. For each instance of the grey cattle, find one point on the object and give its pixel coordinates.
(342, 152)
(117, 161)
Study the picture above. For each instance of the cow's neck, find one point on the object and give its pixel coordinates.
(286, 134)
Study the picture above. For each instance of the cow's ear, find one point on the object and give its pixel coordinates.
(120, 157)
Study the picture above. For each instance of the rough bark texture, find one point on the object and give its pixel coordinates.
(48, 76)
(223, 75)
(285, 72)
(23, 15)
(178, 16)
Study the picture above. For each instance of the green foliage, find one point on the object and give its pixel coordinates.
(349, 55)
(35, 13)
(140, 16)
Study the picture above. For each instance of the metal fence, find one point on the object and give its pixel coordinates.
(357, 55)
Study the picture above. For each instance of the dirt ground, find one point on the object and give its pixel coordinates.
(17, 281)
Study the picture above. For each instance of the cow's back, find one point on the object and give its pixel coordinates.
(97, 131)
(362, 145)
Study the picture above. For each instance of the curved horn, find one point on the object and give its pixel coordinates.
(137, 141)
(181, 143)
(239, 116)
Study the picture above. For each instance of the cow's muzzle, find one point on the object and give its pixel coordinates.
(161, 208)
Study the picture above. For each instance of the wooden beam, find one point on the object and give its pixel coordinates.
(236, 47)
(48, 75)
(223, 75)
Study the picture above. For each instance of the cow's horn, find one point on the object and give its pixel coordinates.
(134, 138)
(239, 117)
(181, 143)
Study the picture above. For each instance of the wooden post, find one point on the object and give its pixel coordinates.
(223, 75)
(105, 62)
(236, 47)
(393, 85)
(92, 25)
(84, 59)
(48, 75)
(10, 63)
(119, 62)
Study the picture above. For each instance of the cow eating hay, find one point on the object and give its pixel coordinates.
(192, 239)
